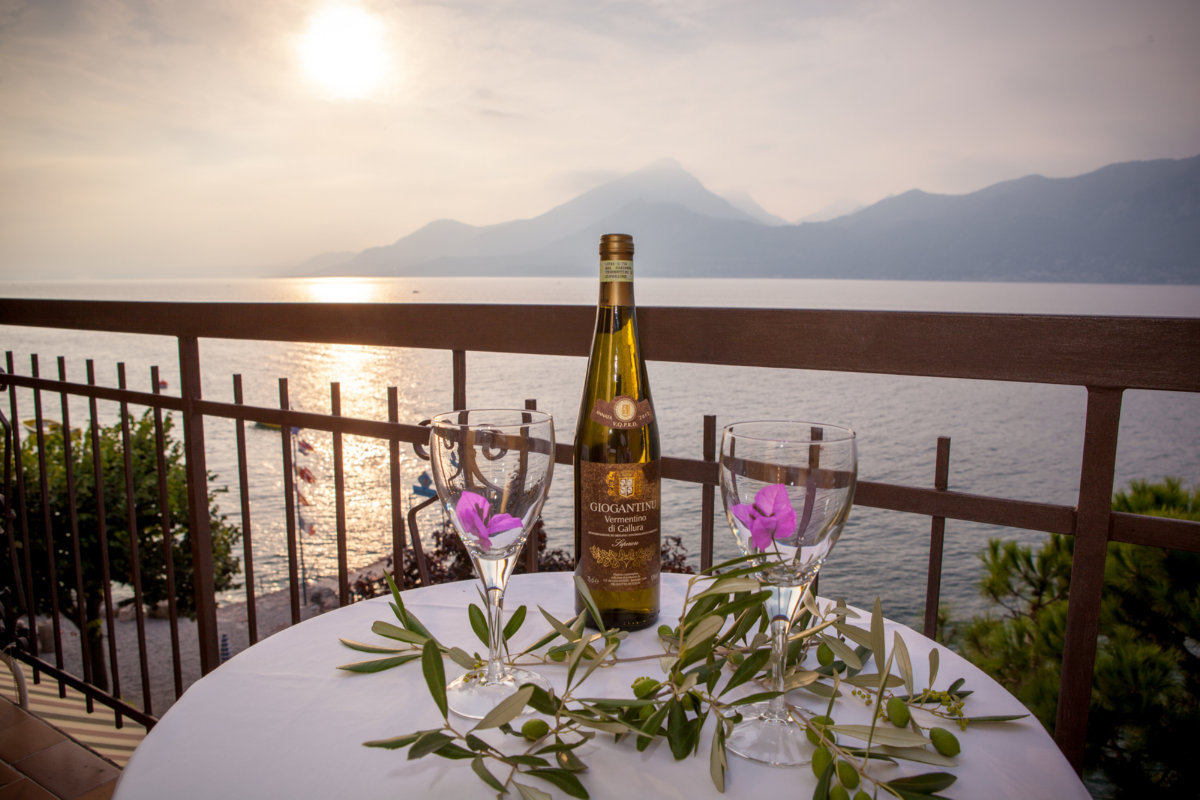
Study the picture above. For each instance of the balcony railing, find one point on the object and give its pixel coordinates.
(1105, 355)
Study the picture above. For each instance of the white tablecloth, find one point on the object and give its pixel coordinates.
(280, 721)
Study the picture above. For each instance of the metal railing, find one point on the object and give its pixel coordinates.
(1105, 355)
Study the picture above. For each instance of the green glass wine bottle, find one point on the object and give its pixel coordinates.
(617, 495)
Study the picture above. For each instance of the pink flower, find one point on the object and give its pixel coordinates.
(770, 517)
(476, 518)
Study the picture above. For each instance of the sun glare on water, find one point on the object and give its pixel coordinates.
(340, 290)
(343, 51)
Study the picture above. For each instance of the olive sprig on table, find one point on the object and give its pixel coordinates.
(720, 644)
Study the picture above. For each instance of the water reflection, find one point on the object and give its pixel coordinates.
(339, 290)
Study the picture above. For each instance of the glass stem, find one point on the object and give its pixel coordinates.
(495, 598)
(777, 707)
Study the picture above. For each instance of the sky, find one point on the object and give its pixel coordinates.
(188, 138)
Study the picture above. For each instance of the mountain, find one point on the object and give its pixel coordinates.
(1136, 222)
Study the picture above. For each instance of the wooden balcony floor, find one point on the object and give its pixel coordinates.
(40, 762)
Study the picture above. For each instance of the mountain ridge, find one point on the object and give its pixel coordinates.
(1132, 222)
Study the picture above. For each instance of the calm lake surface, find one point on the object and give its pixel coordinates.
(1008, 440)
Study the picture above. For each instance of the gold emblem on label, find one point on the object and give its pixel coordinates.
(622, 485)
(625, 409)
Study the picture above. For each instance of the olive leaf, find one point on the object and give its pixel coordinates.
(842, 651)
(900, 652)
(926, 783)
(478, 623)
(506, 710)
(369, 648)
(717, 762)
(530, 793)
(480, 769)
(896, 737)
(515, 623)
(380, 664)
(391, 631)
(435, 675)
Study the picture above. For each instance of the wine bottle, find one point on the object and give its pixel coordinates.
(617, 536)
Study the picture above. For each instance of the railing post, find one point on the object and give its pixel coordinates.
(707, 497)
(197, 489)
(1087, 570)
(535, 536)
(393, 400)
(937, 536)
(460, 379)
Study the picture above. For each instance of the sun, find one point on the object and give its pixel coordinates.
(343, 50)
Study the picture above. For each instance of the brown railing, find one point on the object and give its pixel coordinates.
(1102, 354)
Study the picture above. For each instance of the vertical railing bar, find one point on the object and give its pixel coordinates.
(102, 535)
(339, 490)
(47, 528)
(244, 492)
(166, 528)
(289, 502)
(135, 565)
(397, 492)
(73, 523)
(22, 519)
(533, 543)
(937, 537)
(707, 493)
(199, 527)
(1101, 429)
(9, 526)
(460, 379)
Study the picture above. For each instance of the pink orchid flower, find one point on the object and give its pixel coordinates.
(477, 519)
(770, 517)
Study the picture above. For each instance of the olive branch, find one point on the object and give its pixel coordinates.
(719, 644)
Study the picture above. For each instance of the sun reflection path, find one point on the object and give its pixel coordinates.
(341, 290)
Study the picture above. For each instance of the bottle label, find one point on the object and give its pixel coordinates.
(619, 516)
(622, 412)
(616, 272)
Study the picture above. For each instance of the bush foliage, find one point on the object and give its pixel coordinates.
(1146, 687)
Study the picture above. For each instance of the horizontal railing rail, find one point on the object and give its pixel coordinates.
(1105, 355)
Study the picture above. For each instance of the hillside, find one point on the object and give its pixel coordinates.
(1136, 222)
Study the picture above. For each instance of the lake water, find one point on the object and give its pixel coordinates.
(1008, 440)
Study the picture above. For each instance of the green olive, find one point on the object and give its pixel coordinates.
(898, 713)
(944, 741)
(822, 759)
(558, 655)
(847, 774)
(644, 687)
(861, 795)
(839, 793)
(535, 729)
(820, 722)
(824, 655)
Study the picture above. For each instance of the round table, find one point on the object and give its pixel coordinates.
(280, 720)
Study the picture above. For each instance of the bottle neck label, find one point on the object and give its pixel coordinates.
(616, 272)
(622, 413)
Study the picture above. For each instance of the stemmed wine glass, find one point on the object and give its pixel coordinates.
(787, 489)
(492, 468)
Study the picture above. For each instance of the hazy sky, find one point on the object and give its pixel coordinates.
(165, 137)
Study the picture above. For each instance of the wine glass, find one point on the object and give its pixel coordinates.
(492, 468)
(787, 489)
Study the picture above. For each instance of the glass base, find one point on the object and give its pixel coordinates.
(471, 696)
(764, 736)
